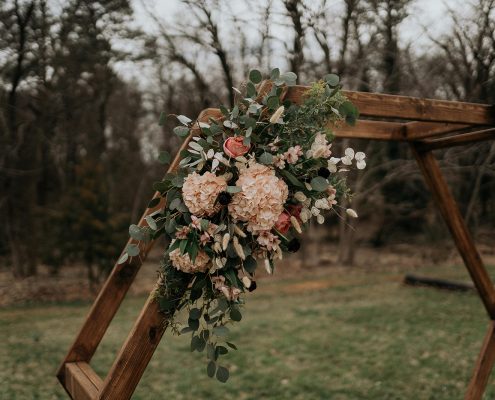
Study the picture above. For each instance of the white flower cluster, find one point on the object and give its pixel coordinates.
(349, 156)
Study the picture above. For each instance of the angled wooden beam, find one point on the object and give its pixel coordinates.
(457, 140)
(115, 288)
(420, 130)
(483, 367)
(455, 222)
(412, 108)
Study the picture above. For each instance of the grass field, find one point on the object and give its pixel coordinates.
(339, 335)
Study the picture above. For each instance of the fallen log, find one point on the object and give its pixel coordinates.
(413, 280)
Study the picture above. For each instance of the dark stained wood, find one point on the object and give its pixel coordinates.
(376, 130)
(420, 130)
(412, 108)
(483, 367)
(453, 218)
(457, 140)
(115, 288)
(82, 383)
(136, 352)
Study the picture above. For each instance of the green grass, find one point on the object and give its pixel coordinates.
(364, 337)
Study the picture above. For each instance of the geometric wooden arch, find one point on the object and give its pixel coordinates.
(424, 124)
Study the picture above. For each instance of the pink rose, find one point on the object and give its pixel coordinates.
(283, 223)
(234, 146)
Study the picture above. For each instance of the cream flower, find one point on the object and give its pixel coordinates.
(293, 154)
(183, 263)
(200, 193)
(231, 293)
(261, 199)
(268, 240)
(320, 147)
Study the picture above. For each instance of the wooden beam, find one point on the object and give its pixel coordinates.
(376, 130)
(412, 108)
(457, 140)
(115, 288)
(82, 383)
(137, 351)
(453, 218)
(483, 367)
(421, 130)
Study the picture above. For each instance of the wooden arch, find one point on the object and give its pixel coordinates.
(424, 124)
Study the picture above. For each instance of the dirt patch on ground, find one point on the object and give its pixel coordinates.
(314, 263)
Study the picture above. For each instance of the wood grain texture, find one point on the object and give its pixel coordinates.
(376, 130)
(82, 383)
(116, 286)
(457, 140)
(137, 351)
(421, 130)
(455, 222)
(411, 108)
(483, 367)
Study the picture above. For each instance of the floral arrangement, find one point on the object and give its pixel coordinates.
(247, 185)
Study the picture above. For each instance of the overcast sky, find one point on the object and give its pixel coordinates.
(424, 13)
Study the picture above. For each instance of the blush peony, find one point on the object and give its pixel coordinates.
(261, 199)
(234, 146)
(200, 193)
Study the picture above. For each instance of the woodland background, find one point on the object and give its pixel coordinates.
(79, 138)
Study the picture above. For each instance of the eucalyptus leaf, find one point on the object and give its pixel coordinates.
(183, 119)
(135, 232)
(211, 368)
(222, 374)
(221, 331)
(132, 250)
(332, 79)
(181, 131)
(151, 222)
(266, 158)
(164, 157)
(123, 258)
(255, 76)
(233, 189)
(319, 184)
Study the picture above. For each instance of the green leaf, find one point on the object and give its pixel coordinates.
(291, 178)
(151, 222)
(181, 131)
(319, 184)
(235, 112)
(193, 324)
(154, 202)
(235, 315)
(250, 264)
(255, 76)
(332, 79)
(234, 189)
(182, 246)
(231, 345)
(251, 90)
(170, 226)
(135, 232)
(161, 120)
(272, 102)
(266, 158)
(195, 313)
(210, 352)
(221, 331)
(222, 374)
(204, 224)
(185, 330)
(274, 74)
(178, 181)
(132, 250)
(161, 187)
(289, 78)
(123, 258)
(164, 157)
(221, 350)
(211, 368)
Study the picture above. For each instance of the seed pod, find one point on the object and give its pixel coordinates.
(295, 224)
(238, 248)
(239, 231)
(225, 241)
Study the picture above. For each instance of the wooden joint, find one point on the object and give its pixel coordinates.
(81, 382)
